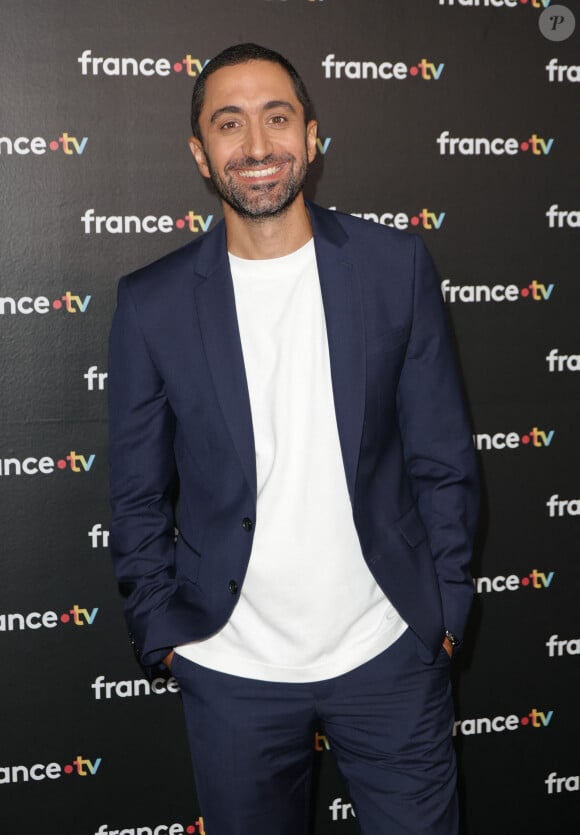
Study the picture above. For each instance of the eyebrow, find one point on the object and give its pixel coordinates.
(270, 105)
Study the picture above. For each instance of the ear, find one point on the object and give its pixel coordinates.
(311, 136)
(196, 149)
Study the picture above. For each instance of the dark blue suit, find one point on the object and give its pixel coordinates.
(180, 423)
(181, 437)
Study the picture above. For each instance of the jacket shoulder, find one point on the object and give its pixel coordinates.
(171, 270)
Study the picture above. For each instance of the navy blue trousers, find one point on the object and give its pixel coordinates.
(388, 723)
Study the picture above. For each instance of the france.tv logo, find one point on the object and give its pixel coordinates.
(67, 303)
(425, 218)
(385, 70)
(512, 582)
(73, 461)
(498, 724)
(536, 291)
(124, 66)
(37, 145)
(498, 4)
(535, 438)
(196, 828)
(467, 146)
(149, 224)
(80, 766)
(19, 621)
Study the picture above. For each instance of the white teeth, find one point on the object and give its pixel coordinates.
(264, 172)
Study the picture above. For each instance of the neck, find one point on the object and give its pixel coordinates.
(272, 237)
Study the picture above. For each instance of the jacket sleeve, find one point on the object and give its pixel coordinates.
(437, 442)
(142, 476)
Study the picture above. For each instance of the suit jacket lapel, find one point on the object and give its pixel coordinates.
(221, 338)
(341, 296)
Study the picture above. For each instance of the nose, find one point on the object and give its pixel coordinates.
(257, 143)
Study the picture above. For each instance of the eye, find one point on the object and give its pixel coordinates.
(229, 125)
(278, 119)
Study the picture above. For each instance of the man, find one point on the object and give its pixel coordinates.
(284, 390)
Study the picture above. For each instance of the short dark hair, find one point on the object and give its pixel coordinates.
(241, 54)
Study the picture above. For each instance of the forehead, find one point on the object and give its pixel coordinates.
(248, 86)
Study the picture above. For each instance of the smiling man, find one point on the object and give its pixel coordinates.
(267, 177)
(284, 390)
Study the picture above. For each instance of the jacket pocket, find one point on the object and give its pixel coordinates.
(387, 341)
(187, 561)
(412, 528)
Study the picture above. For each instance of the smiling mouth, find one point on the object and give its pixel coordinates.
(253, 174)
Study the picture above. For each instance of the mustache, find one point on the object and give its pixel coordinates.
(251, 162)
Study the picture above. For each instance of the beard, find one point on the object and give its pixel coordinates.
(260, 201)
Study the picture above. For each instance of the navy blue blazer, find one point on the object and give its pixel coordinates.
(182, 449)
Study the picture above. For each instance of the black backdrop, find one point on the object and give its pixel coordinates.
(97, 179)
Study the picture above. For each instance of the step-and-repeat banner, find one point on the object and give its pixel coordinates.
(456, 119)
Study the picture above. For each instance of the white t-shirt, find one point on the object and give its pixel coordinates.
(309, 608)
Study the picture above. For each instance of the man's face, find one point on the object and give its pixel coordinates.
(256, 147)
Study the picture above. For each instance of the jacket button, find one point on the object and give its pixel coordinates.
(233, 586)
(247, 524)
